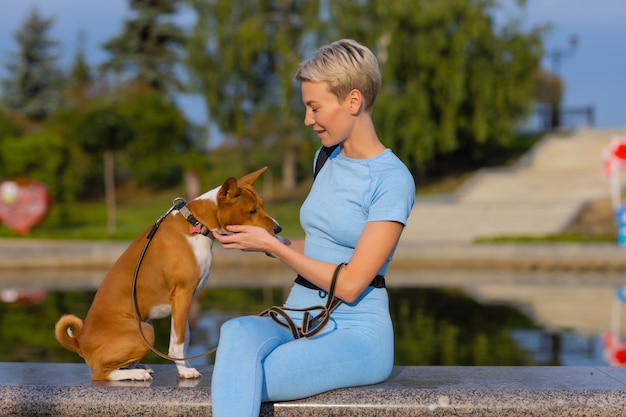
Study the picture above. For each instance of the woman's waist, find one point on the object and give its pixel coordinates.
(377, 282)
(303, 297)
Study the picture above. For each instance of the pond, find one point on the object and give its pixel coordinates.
(473, 319)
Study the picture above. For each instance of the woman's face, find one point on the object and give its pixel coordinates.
(330, 118)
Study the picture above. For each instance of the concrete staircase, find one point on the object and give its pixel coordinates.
(537, 196)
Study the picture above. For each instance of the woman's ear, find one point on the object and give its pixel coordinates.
(355, 99)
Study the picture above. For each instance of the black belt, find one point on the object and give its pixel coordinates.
(377, 282)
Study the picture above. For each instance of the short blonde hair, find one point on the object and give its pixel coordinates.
(344, 65)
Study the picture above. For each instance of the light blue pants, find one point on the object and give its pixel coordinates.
(258, 360)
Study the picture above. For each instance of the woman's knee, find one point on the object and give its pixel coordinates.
(249, 328)
(235, 326)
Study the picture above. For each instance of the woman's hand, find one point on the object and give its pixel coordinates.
(246, 238)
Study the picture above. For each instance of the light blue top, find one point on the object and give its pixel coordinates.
(347, 194)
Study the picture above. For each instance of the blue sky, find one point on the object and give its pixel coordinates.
(595, 74)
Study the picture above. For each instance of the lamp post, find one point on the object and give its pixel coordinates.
(556, 56)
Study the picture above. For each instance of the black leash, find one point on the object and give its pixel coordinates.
(310, 325)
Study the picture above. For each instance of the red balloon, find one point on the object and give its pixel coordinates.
(23, 203)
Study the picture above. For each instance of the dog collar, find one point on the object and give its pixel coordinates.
(196, 226)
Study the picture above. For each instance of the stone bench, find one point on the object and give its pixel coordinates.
(38, 389)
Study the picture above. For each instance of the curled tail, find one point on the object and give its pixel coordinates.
(68, 330)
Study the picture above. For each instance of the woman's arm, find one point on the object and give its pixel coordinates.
(295, 244)
(372, 250)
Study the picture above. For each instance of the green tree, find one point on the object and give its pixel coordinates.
(80, 72)
(83, 88)
(149, 46)
(33, 86)
(453, 80)
(8, 129)
(155, 156)
(40, 155)
(104, 130)
(242, 56)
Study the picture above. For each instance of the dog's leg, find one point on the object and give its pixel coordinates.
(122, 357)
(178, 349)
(179, 334)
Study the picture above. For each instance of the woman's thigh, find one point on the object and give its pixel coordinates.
(337, 359)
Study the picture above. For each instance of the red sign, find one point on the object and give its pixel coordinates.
(23, 203)
(614, 156)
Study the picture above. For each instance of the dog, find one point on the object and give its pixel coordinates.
(176, 265)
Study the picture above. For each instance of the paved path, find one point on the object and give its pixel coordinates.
(537, 196)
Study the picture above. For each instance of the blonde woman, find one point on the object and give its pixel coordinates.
(354, 214)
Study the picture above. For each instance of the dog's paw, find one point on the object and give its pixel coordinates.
(143, 375)
(131, 374)
(188, 373)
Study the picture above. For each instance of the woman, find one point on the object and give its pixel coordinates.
(354, 213)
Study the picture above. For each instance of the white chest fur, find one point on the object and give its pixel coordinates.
(202, 248)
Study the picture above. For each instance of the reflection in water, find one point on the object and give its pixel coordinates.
(433, 326)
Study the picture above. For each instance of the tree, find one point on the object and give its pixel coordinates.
(40, 155)
(242, 57)
(104, 130)
(80, 73)
(155, 156)
(33, 86)
(147, 50)
(453, 81)
(549, 91)
(8, 129)
(82, 87)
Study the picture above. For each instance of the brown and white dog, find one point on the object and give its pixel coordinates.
(175, 266)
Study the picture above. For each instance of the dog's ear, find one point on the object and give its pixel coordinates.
(229, 190)
(252, 177)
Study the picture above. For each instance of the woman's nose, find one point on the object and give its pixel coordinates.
(309, 120)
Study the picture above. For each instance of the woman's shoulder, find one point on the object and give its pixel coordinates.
(388, 163)
(386, 173)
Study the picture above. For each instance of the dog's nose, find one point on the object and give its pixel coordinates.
(277, 228)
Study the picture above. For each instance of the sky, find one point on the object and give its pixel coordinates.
(594, 72)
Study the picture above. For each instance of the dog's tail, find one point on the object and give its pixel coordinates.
(68, 330)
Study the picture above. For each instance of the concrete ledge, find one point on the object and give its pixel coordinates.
(33, 255)
(28, 389)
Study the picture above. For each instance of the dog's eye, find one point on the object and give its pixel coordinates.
(253, 211)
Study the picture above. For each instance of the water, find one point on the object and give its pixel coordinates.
(473, 319)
